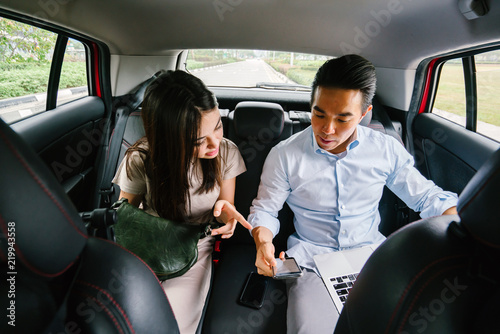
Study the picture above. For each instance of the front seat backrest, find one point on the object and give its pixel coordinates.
(436, 275)
(54, 277)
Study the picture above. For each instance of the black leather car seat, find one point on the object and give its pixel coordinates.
(56, 279)
(255, 127)
(436, 275)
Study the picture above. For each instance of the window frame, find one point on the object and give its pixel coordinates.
(469, 70)
(96, 58)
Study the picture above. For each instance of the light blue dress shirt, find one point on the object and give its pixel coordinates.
(335, 198)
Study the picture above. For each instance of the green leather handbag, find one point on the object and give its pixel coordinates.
(170, 248)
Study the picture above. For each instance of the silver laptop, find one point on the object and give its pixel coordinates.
(339, 271)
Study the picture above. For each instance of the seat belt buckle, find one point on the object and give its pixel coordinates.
(106, 194)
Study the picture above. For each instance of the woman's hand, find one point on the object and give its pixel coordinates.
(227, 214)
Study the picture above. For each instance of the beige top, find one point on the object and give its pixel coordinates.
(232, 165)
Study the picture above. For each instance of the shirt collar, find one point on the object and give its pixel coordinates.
(352, 145)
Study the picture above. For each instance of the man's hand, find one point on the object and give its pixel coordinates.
(265, 260)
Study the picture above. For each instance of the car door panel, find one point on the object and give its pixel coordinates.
(447, 153)
(68, 139)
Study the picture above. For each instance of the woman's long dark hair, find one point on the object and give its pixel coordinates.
(171, 112)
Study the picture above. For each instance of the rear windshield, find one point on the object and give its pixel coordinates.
(254, 68)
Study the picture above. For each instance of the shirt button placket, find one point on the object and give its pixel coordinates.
(340, 204)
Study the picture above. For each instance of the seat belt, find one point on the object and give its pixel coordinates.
(128, 103)
(302, 117)
(380, 114)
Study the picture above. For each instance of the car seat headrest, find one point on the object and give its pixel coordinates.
(477, 204)
(261, 120)
(49, 233)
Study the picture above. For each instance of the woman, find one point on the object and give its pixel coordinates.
(181, 170)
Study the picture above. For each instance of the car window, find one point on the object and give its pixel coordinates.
(488, 86)
(473, 105)
(450, 98)
(254, 68)
(73, 84)
(26, 57)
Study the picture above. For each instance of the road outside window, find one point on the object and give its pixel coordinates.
(254, 68)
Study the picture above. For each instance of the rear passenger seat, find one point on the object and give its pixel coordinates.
(255, 127)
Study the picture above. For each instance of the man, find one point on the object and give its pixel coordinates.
(332, 176)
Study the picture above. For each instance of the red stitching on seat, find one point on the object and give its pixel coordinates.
(481, 240)
(485, 184)
(147, 266)
(49, 194)
(111, 299)
(20, 255)
(33, 175)
(417, 295)
(405, 292)
(103, 307)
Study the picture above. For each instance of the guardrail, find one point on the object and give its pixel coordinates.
(40, 97)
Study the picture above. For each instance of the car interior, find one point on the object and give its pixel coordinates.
(60, 273)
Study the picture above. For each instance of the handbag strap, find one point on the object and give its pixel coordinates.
(205, 228)
(208, 227)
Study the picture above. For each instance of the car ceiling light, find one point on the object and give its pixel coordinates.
(472, 9)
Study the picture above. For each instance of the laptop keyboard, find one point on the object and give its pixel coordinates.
(343, 285)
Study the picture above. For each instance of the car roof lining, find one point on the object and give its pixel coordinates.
(357, 26)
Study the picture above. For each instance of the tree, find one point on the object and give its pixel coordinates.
(19, 41)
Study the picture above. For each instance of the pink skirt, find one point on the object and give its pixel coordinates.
(187, 293)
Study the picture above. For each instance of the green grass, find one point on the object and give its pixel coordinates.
(451, 92)
(28, 78)
(302, 72)
(488, 87)
(192, 64)
(301, 76)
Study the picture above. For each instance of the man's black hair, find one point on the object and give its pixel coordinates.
(347, 72)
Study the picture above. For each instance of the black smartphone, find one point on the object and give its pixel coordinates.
(254, 290)
(286, 269)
